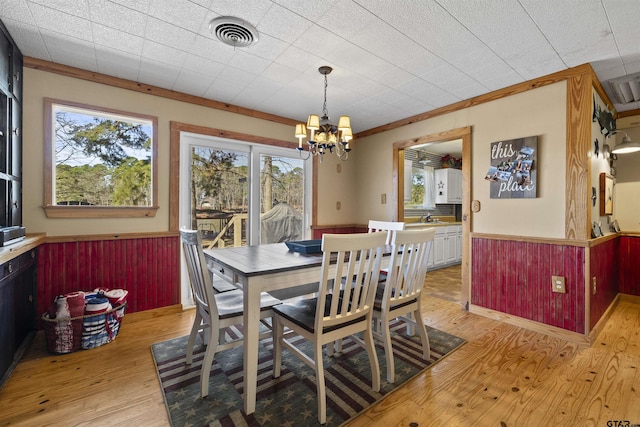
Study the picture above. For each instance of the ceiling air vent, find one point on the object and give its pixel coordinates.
(626, 90)
(233, 31)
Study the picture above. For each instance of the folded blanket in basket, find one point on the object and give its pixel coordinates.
(96, 304)
(67, 332)
(68, 305)
(116, 296)
(95, 329)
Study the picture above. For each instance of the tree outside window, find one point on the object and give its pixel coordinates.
(100, 162)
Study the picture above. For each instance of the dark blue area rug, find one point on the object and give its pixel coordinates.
(291, 399)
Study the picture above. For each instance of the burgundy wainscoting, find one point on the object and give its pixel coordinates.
(148, 268)
(628, 265)
(604, 267)
(515, 278)
(318, 232)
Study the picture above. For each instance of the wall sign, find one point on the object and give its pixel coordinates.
(512, 174)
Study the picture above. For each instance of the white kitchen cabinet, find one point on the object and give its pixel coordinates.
(448, 186)
(446, 249)
(438, 248)
(450, 241)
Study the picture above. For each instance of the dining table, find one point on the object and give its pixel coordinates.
(257, 269)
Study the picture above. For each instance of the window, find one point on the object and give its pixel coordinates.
(99, 162)
(238, 193)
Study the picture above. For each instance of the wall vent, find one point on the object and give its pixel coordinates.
(626, 90)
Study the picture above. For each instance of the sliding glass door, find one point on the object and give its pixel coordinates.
(241, 194)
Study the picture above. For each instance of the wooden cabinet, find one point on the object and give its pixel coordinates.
(11, 62)
(18, 309)
(448, 186)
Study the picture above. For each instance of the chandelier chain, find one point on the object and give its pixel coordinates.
(325, 113)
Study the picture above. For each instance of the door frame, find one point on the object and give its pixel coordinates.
(463, 133)
(177, 130)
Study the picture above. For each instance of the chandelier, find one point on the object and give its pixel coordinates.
(325, 136)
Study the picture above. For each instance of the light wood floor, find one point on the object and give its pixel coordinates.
(503, 376)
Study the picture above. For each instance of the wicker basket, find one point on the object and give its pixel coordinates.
(67, 335)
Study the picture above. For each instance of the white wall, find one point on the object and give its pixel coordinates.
(599, 164)
(626, 197)
(540, 112)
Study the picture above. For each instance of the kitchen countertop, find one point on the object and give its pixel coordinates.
(430, 224)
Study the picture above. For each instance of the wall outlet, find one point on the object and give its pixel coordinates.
(557, 284)
(383, 198)
(593, 285)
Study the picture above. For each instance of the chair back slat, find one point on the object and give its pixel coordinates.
(198, 273)
(391, 227)
(408, 265)
(351, 279)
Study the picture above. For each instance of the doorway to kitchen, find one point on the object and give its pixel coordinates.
(425, 142)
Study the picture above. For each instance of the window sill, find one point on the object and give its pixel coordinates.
(100, 211)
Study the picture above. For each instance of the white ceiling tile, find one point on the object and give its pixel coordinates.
(203, 3)
(624, 18)
(181, 13)
(77, 8)
(16, 10)
(192, 82)
(156, 52)
(526, 49)
(110, 38)
(318, 41)
(137, 5)
(283, 24)
(119, 64)
(158, 74)
(224, 91)
(258, 92)
(118, 17)
(267, 47)
(60, 22)
(494, 78)
(201, 65)
(250, 11)
(168, 34)
(386, 40)
(28, 39)
(347, 19)
(312, 11)
(280, 73)
(210, 49)
(246, 61)
(390, 58)
(358, 60)
(577, 29)
(70, 51)
(297, 59)
(235, 75)
(396, 78)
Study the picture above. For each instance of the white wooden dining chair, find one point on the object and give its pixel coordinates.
(391, 227)
(399, 296)
(342, 308)
(214, 311)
